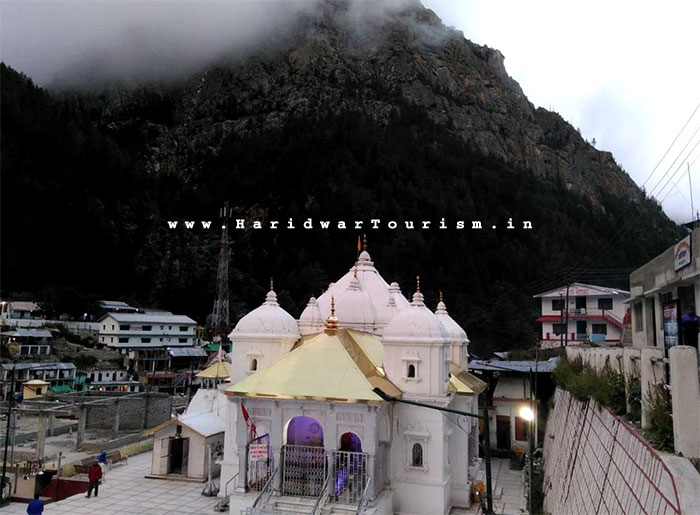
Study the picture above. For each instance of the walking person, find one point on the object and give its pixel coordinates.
(690, 325)
(36, 507)
(102, 460)
(94, 476)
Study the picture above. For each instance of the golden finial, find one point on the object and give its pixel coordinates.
(364, 242)
(440, 291)
(332, 321)
(418, 284)
(272, 284)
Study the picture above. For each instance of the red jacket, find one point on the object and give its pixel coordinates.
(94, 473)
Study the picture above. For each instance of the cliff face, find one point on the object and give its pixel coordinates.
(363, 110)
(349, 59)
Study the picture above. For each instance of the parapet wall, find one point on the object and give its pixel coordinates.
(595, 463)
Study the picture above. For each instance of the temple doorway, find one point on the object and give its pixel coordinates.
(303, 458)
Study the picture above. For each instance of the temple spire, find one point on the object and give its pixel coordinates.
(332, 320)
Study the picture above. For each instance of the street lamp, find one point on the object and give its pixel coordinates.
(487, 439)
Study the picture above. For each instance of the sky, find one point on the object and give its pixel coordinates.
(625, 73)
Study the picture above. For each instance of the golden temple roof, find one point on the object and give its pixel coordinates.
(463, 383)
(327, 367)
(220, 370)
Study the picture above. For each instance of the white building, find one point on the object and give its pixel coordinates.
(593, 314)
(28, 342)
(142, 330)
(109, 380)
(156, 345)
(304, 413)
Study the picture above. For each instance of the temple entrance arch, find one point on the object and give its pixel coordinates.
(348, 469)
(304, 464)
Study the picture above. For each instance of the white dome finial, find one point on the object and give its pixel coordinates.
(418, 296)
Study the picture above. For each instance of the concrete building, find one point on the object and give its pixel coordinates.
(303, 410)
(157, 346)
(56, 374)
(19, 310)
(108, 380)
(509, 393)
(594, 314)
(662, 289)
(181, 446)
(28, 342)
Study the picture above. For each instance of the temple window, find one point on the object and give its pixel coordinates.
(417, 455)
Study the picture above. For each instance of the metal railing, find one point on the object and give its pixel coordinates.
(349, 472)
(304, 470)
(266, 493)
(323, 497)
(631, 477)
(363, 498)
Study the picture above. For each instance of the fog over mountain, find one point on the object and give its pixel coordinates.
(70, 44)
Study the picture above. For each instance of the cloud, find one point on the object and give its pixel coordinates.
(69, 43)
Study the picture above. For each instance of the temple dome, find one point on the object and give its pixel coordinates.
(454, 332)
(415, 323)
(374, 291)
(267, 322)
(311, 321)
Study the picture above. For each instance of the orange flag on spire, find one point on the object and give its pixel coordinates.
(359, 245)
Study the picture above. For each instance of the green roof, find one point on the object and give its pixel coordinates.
(64, 388)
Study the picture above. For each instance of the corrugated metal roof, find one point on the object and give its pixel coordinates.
(187, 351)
(602, 289)
(515, 366)
(509, 387)
(115, 304)
(29, 333)
(205, 424)
(20, 305)
(154, 318)
(37, 366)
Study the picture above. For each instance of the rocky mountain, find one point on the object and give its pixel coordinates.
(359, 112)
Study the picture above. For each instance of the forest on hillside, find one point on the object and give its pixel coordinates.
(82, 219)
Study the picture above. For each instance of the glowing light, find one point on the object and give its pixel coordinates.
(527, 413)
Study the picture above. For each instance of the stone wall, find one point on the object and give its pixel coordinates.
(135, 412)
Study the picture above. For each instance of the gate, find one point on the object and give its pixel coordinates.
(259, 462)
(304, 470)
(348, 476)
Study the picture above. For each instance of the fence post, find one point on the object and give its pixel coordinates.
(685, 399)
(652, 372)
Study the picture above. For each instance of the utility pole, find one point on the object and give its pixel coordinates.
(220, 315)
(566, 306)
(531, 445)
(561, 319)
(10, 401)
(690, 184)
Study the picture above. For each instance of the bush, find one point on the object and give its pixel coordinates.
(660, 415)
(634, 386)
(583, 382)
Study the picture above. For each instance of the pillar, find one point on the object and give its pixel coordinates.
(115, 427)
(630, 357)
(82, 423)
(145, 412)
(41, 435)
(52, 424)
(652, 372)
(685, 399)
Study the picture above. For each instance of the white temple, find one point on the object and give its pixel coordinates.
(305, 430)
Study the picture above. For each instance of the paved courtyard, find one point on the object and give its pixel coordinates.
(512, 500)
(128, 491)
